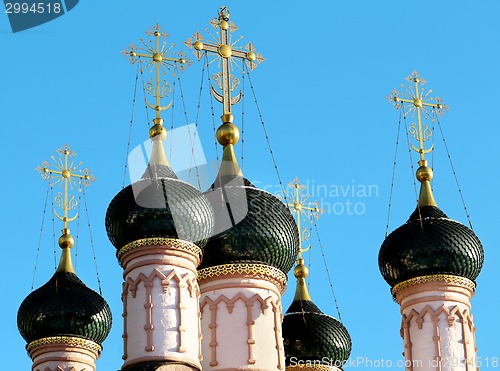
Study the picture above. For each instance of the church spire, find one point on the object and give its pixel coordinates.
(415, 99)
(158, 57)
(227, 52)
(66, 174)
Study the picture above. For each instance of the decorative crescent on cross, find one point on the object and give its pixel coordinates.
(69, 176)
(414, 98)
(225, 50)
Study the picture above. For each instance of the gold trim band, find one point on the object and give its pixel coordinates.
(256, 270)
(447, 278)
(160, 241)
(66, 340)
(311, 366)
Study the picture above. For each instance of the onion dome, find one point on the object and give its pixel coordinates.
(64, 306)
(308, 333)
(251, 225)
(158, 205)
(430, 243)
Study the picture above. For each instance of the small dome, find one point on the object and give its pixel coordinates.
(255, 227)
(436, 245)
(64, 306)
(159, 205)
(310, 335)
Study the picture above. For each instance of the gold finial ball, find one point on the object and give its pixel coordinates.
(300, 271)
(228, 134)
(198, 45)
(157, 57)
(157, 33)
(417, 102)
(424, 173)
(182, 60)
(251, 56)
(133, 54)
(224, 25)
(157, 132)
(66, 174)
(66, 241)
(415, 79)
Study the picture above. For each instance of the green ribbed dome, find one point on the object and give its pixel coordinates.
(311, 335)
(434, 245)
(64, 306)
(159, 205)
(255, 227)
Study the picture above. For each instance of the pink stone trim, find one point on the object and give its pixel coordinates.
(249, 303)
(277, 333)
(164, 260)
(170, 359)
(452, 314)
(256, 283)
(183, 281)
(124, 315)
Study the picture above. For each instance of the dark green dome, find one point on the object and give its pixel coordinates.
(435, 245)
(64, 306)
(159, 205)
(253, 225)
(310, 335)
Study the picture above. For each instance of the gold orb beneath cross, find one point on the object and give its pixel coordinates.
(424, 173)
(225, 51)
(228, 134)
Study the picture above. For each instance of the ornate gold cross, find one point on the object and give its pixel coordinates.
(225, 51)
(299, 207)
(161, 58)
(414, 98)
(66, 174)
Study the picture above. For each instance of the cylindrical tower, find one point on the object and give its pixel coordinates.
(158, 226)
(243, 273)
(431, 263)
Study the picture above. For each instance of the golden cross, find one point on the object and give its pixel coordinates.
(225, 50)
(416, 99)
(299, 207)
(159, 57)
(66, 174)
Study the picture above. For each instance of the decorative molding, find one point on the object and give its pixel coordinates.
(67, 341)
(447, 278)
(161, 241)
(250, 322)
(451, 315)
(183, 281)
(266, 272)
(59, 368)
(124, 315)
(277, 333)
(311, 366)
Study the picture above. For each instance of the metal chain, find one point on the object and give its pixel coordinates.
(212, 108)
(266, 135)
(130, 127)
(91, 241)
(393, 174)
(327, 271)
(242, 120)
(77, 230)
(53, 227)
(191, 139)
(412, 171)
(454, 173)
(40, 237)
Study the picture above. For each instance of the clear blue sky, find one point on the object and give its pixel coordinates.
(329, 66)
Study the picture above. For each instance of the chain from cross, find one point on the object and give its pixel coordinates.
(226, 51)
(416, 99)
(299, 207)
(159, 56)
(66, 173)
